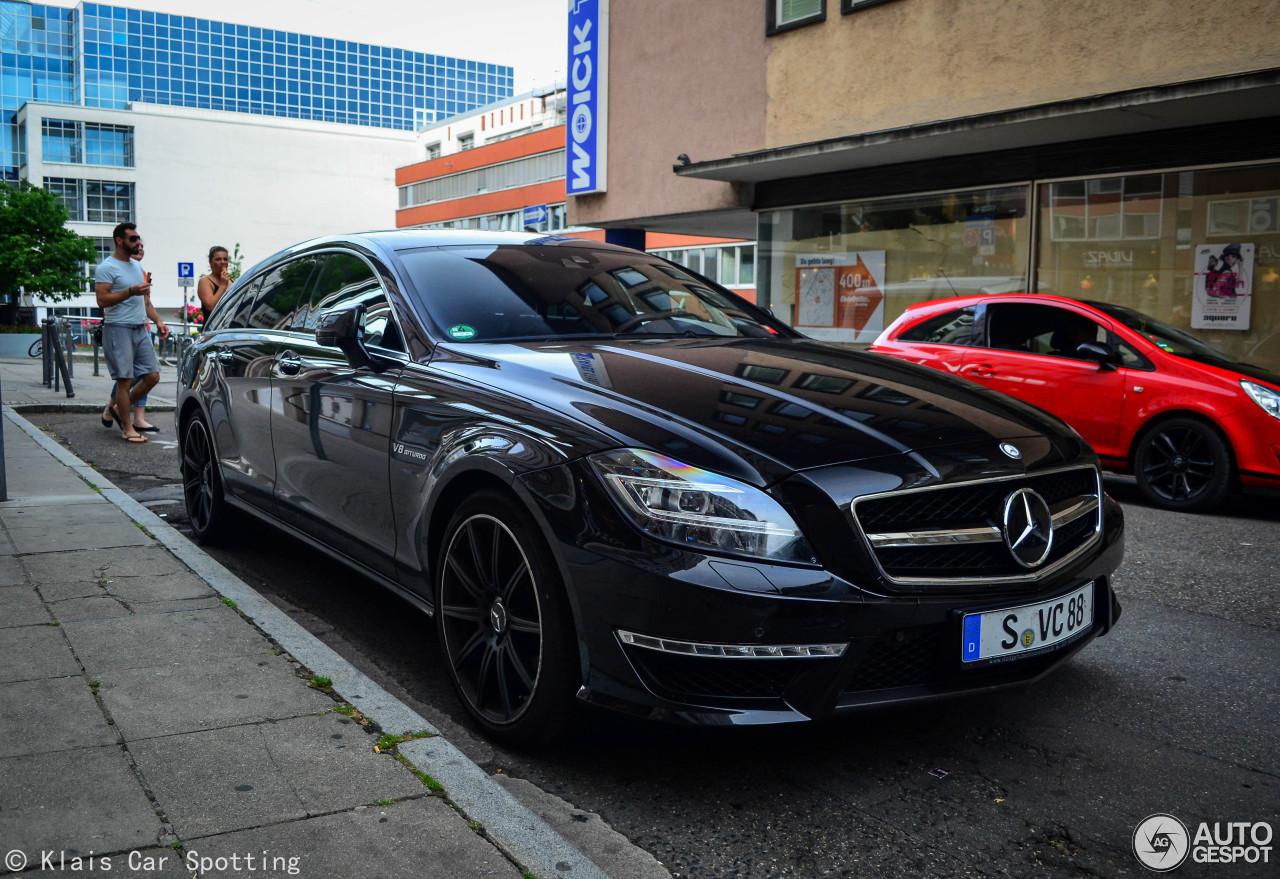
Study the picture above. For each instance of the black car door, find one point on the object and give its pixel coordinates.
(331, 423)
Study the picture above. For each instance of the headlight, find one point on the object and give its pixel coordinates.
(1264, 397)
(699, 510)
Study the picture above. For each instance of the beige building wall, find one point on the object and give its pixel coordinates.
(916, 61)
(683, 78)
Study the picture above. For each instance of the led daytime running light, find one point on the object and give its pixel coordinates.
(733, 651)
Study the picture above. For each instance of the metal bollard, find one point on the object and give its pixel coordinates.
(70, 347)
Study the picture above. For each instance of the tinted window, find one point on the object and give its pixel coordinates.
(1040, 329)
(345, 279)
(501, 293)
(236, 315)
(954, 327)
(282, 301)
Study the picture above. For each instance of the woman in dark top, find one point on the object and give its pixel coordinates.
(214, 284)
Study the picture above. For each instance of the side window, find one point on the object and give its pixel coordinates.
(237, 314)
(346, 278)
(282, 302)
(1040, 329)
(954, 327)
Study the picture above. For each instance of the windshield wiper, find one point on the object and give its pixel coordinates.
(641, 319)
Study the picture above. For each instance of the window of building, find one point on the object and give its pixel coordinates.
(466, 141)
(107, 201)
(1156, 243)
(108, 145)
(848, 6)
(60, 141)
(433, 150)
(71, 193)
(732, 265)
(842, 272)
(526, 171)
(783, 15)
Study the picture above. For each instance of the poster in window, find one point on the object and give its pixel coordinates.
(1223, 290)
(840, 296)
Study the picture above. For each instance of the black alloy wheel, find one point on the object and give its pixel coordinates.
(1184, 464)
(201, 482)
(503, 622)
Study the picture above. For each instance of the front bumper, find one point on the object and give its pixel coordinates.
(698, 617)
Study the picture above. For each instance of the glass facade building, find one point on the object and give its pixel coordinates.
(111, 56)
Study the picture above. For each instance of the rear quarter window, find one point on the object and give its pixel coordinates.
(953, 327)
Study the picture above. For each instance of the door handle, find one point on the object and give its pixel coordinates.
(224, 356)
(289, 364)
(981, 370)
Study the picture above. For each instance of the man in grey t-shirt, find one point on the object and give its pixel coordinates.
(121, 288)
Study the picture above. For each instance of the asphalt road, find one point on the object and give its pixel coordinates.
(1174, 712)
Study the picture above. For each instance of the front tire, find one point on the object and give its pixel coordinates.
(202, 483)
(504, 623)
(1184, 464)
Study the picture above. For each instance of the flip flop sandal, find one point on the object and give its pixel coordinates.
(151, 428)
(107, 422)
(136, 438)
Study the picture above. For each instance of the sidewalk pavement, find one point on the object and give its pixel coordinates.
(161, 714)
(22, 387)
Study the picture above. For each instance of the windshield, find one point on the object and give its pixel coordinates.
(508, 293)
(1171, 340)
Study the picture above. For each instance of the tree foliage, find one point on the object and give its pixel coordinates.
(233, 263)
(37, 251)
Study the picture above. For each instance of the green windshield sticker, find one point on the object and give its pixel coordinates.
(462, 331)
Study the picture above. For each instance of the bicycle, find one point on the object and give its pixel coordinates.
(37, 348)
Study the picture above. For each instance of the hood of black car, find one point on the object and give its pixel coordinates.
(796, 404)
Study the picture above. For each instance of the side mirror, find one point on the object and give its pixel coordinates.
(343, 328)
(1100, 354)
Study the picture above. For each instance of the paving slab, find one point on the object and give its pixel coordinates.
(169, 587)
(69, 567)
(95, 607)
(51, 715)
(212, 600)
(55, 593)
(151, 640)
(408, 840)
(35, 652)
(60, 538)
(21, 606)
(12, 572)
(329, 760)
(163, 701)
(19, 516)
(75, 801)
(217, 781)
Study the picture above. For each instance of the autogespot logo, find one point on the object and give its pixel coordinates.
(1161, 843)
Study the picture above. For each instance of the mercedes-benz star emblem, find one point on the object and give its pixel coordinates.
(1028, 527)
(1011, 450)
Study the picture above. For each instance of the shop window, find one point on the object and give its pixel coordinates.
(1157, 244)
(842, 272)
(782, 15)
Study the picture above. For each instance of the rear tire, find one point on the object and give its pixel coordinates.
(1185, 464)
(504, 622)
(202, 483)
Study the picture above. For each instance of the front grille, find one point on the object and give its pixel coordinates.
(952, 534)
(906, 658)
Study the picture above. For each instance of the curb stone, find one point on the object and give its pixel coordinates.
(516, 831)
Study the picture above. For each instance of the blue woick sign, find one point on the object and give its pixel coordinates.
(587, 139)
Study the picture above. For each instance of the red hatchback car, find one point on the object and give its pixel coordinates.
(1190, 423)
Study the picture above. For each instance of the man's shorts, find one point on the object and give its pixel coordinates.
(128, 350)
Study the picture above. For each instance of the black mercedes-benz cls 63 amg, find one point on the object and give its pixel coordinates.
(610, 480)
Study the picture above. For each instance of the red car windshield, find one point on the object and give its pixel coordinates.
(1173, 341)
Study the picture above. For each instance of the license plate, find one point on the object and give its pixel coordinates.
(1031, 628)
